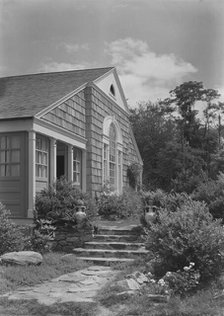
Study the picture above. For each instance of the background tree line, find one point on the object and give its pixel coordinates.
(180, 147)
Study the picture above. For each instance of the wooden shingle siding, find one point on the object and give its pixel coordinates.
(97, 108)
(70, 115)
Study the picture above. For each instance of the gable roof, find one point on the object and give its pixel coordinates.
(25, 96)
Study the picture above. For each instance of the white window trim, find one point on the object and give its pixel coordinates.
(119, 148)
(40, 164)
(75, 171)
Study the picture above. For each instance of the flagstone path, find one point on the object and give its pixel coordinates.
(83, 285)
(79, 286)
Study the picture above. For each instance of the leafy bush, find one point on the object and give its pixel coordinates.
(154, 201)
(212, 193)
(11, 238)
(59, 202)
(126, 205)
(162, 200)
(39, 236)
(187, 235)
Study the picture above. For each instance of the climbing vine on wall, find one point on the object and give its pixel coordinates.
(134, 174)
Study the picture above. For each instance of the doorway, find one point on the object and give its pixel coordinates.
(62, 167)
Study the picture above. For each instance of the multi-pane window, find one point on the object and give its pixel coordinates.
(105, 160)
(77, 166)
(10, 156)
(119, 167)
(112, 156)
(42, 152)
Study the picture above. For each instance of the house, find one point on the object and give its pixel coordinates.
(71, 123)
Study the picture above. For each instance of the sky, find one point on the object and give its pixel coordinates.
(155, 45)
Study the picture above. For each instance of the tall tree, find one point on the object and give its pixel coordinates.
(153, 126)
(177, 147)
(184, 98)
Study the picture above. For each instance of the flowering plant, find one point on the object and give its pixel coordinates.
(160, 287)
(184, 281)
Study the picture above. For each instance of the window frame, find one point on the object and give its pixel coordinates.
(78, 163)
(42, 150)
(115, 185)
(7, 163)
(112, 157)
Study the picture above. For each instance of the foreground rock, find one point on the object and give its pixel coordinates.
(79, 286)
(22, 258)
(133, 283)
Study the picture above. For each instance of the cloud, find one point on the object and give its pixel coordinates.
(144, 74)
(57, 66)
(74, 48)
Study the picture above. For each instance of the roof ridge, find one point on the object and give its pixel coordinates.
(57, 72)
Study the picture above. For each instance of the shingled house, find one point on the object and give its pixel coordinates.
(72, 123)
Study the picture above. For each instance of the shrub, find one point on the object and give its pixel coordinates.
(59, 202)
(11, 238)
(39, 236)
(212, 193)
(188, 235)
(126, 205)
(162, 200)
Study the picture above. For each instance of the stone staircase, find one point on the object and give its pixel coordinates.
(112, 244)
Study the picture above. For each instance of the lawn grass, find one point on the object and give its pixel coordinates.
(201, 303)
(53, 265)
(33, 308)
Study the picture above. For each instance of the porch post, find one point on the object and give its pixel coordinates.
(83, 171)
(140, 180)
(70, 163)
(31, 172)
(53, 160)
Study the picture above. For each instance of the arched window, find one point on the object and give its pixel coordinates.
(112, 155)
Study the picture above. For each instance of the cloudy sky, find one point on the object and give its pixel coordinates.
(154, 44)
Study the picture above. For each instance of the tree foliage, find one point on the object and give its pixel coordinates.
(179, 147)
(153, 127)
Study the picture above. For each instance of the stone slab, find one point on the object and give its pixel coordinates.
(79, 286)
(22, 258)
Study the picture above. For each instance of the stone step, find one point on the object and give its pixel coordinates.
(113, 245)
(105, 261)
(105, 253)
(116, 231)
(108, 238)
